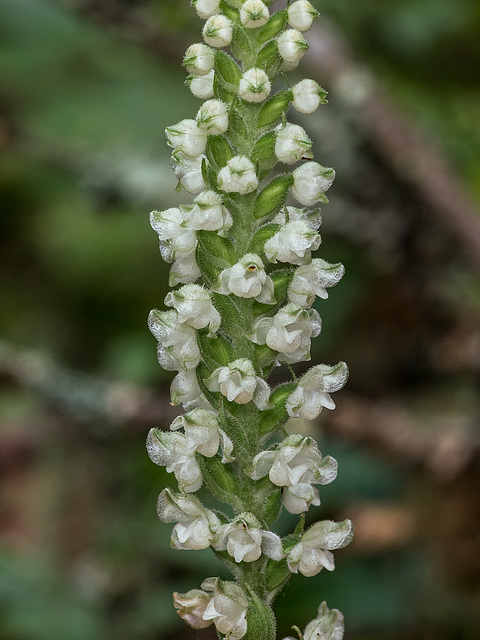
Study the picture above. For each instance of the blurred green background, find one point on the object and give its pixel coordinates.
(86, 90)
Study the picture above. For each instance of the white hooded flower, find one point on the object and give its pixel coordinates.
(178, 348)
(310, 280)
(299, 497)
(196, 528)
(294, 243)
(292, 144)
(238, 176)
(247, 279)
(177, 239)
(194, 306)
(191, 606)
(311, 180)
(239, 383)
(254, 86)
(206, 8)
(289, 332)
(202, 86)
(314, 551)
(170, 450)
(253, 14)
(208, 213)
(203, 433)
(185, 389)
(218, 31)
(212, 117)
(227, 607)
(308, 95)
(199, 59)
(188, 137)
(328, 625)
(188, 171)
(184, 270)
(301, 15)
(245, 541)
(292, 46)
(313, 391)
(312, 217)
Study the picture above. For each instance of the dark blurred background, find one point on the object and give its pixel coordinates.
(87, 88)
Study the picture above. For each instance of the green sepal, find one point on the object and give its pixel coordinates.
(221, 480)
(258, 241)
(227, 71)
(214, 254)
(216, 352)
(263, 154)
(218, 151)
(261, 623)
(272, 197)
(269, 59)
(274, 108)
(274, 418)
(273, 26)
(277, 575)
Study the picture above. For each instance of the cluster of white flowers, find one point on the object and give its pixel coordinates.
(249, 281)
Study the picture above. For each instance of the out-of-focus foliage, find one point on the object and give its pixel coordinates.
(83, 160)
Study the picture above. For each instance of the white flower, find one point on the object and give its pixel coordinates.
(308, 95)
(184, 270)
(170, 450)
(290, 214)
(188, 137)
(254, 86)
(185, 388)
(239, 383)
(301, 15)
(208, 213)
(202, 86)
(311, 180)
(310, 280)
(299, 497)
(188, 171)
(289, 332)
(294, 243)
(292, 46)
(178, 348)
(328, 625)
(292, 144)
(218, 31)
(245, 541)
(238, 176)
(177, 240)
(253, 14)
(313, 391)
(212, 117)
(247, 279)
(227, 607)
(206, 8)
(194, 306)
(191, 607)
(199, 59)
(203, 433)
(314, 551)
(196, 528)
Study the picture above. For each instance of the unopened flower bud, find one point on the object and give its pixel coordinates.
(311, 180)
(328, 625)
(206, 8)
(202, 86)
(308, 95)
(238, 176)
(199, 59)
(254, 86)
(292, 46)
(188, 137)
(218, 31)
(212, 117)
(253, 14)
(301, 15)
(292, 144)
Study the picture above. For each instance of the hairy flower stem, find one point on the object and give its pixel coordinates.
(244, 258)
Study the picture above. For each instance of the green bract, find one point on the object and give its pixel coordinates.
(242, 257)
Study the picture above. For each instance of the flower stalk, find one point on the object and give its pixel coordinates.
(242, 258)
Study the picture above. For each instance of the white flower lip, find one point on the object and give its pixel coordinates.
(247, 279)
(218, 31)
(254, 86)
